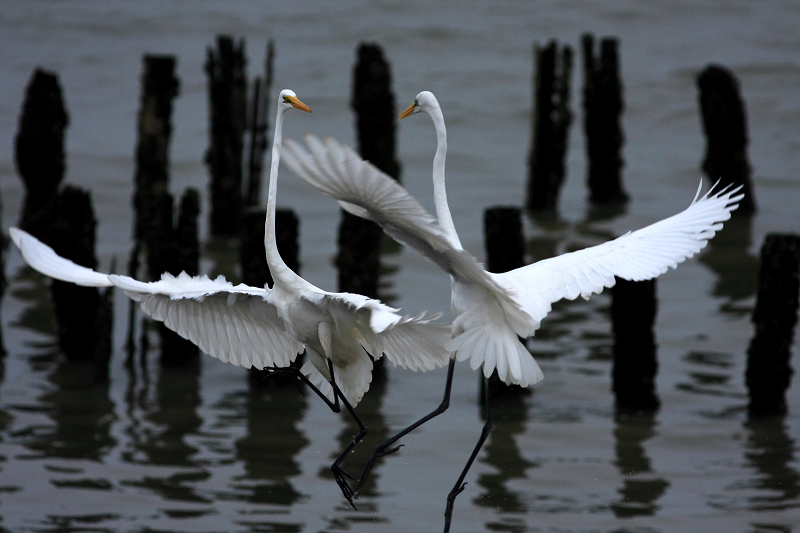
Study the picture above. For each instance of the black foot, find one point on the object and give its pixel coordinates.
(384, 453)
(458, 491)
(339, 474)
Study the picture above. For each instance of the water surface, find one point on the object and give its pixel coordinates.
(200, 450)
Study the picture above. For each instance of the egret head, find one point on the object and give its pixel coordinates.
(422, 103)
(289, 100)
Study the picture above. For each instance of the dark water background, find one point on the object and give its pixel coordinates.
(197, 450)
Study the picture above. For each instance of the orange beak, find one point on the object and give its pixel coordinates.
(409, 110)
(297, 104)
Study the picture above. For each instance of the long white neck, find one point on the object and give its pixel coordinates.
(439, 190)
(281, 273)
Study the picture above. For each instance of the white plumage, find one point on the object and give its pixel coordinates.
(491, 310)
(263, 327)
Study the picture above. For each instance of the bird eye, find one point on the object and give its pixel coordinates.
(286, 100)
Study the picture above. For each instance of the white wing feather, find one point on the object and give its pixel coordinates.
(235, 324)
(44, 259)
(639, 255)
(338, 172)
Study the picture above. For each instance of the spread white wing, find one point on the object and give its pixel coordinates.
(337, 171)
(638, 255)
(236, 324)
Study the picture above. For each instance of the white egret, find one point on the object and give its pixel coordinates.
(269, 327)
(491, 311)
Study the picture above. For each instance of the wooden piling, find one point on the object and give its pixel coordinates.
(257, 127)
(255, 271)
(187, 240)
(253, 260)
(154, 131)
(358, 259)
(633, 313)
(39, 150)
(725, 128)
(505, 250)
(83, 314)
(227, 90)
(552, 118)
(769, 373)
(603, 105)
(168, 245)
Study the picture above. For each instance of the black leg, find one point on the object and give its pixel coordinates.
(334, 405)
(381, 450)
(338, 473)
(459, 486)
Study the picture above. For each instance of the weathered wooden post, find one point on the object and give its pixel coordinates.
(359, 240)
(169, 245)
(39, 150)
(227, 90)
(505, 250)
(258, 126)
(154, 131)
(603, 105)
(151, 173)
(775, 315)
(633, 314)
(179, 252)
(725, 127)
(63, 219)
(83, 314)
(358, 259)
(255, 271)
(550, 128)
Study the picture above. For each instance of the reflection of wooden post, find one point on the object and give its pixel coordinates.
(551, 121)
(603, 105)
(39, 150)
(775, 315)
(227, 89)
(725, 126)
(505, 250)
(633, 314)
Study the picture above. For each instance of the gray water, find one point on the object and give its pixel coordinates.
(197, 450)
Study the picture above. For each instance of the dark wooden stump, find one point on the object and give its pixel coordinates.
(257, 128)
(633, 314)
(603, 105)
(775, 315)
(725, 127)
(551, 122)
(505, 250)
(39, 150)
(227, 90)
(359, 240)
(83, 314)
(255, 271)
